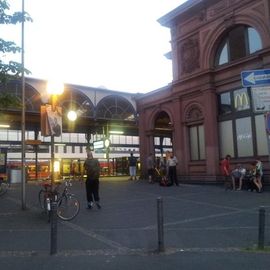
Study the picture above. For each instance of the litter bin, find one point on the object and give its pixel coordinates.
(15, 176)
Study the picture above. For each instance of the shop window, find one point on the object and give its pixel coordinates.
(236, 101)
(197, 142)
(73, 137)
(244, 137)
(115, 139)
(81, 138)
(225, 106)
(136, 140)
(13, 135)
(238, 43)
(69, 149)
(30, 135)
(65, 137)
(226, 138)
(241, 133)
(3, 135)
(262, 145)
(241, 99)
(60, 149)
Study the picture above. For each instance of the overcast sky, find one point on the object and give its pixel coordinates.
(115, 44)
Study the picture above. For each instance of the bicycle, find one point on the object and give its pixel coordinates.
(68, 206)
(4, 185)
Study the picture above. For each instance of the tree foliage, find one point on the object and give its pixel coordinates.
(11, 69)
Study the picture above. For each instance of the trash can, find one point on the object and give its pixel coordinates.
(15, 176)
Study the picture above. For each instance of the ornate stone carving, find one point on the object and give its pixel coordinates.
(190, 55)
(194, 113)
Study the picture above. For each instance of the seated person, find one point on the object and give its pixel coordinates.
(238, 173)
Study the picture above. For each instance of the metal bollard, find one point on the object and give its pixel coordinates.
(53, 227)
(160, 224)
(261, 228)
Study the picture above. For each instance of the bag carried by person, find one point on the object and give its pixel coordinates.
(164, 182)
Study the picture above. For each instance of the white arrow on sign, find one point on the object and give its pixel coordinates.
(250, 78)
(253, 78)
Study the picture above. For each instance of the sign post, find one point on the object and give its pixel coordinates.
(267, 128)
(257, 77)
(259, 82)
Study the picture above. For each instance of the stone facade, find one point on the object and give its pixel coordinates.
(197, 28)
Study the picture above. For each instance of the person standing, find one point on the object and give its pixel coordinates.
(132, 163)
(172, 162)
(225, 170)
(258, 173)
(150, 168)
(92, 168)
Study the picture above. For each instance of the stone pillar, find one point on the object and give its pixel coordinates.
(177, 136)
(211, 132)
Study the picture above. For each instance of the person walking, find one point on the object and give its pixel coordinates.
(92, 168)
(172, 162)
(150, 168)
(132, 163)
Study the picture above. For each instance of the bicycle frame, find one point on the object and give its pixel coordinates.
(68, 205)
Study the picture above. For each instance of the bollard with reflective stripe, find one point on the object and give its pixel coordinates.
(261, 227)
(160, 224)
(53, 227)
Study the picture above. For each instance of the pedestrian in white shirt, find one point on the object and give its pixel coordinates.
(172, 162)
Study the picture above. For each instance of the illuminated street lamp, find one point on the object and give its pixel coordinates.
(54, 89)
(72, 116)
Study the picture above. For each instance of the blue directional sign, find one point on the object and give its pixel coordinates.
(255, 77)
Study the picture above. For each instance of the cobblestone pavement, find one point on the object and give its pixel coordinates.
(205, 227)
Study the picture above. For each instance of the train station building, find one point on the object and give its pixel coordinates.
(101, 114)
(207, 111)
(214, 106)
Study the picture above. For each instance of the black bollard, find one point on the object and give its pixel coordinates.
(160, 224)
(261, 227)
(53, 227)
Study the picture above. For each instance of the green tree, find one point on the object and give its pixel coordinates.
(11, 69)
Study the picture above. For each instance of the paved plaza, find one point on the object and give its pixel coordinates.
(205, 227)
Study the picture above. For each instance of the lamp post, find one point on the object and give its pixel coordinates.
(23, 116)
(54, 89)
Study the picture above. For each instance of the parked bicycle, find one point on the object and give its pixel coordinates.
(4, 185)
(68, 206)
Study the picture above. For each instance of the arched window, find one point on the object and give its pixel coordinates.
(238, 43)
(115, 107)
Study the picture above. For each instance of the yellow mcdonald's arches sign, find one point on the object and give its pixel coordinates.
(241, 101)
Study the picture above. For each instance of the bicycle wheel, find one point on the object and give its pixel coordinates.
(3, 187)
(68, 207)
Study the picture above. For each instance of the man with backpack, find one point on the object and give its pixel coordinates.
(132, 163)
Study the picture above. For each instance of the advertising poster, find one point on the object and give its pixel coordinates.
(51, 120)
(3, 160)
(261, 98)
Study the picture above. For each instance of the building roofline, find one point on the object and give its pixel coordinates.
(167, 19)
(161, 89)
